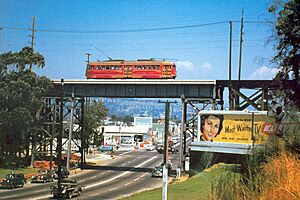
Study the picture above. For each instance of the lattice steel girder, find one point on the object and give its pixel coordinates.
(134, 88)
(50, 117)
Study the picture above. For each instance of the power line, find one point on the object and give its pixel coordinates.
(120, 31)
(255, 22)
(136, 30)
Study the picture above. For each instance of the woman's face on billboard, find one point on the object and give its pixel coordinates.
(210, 128)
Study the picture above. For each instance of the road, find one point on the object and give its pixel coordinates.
(128, 173)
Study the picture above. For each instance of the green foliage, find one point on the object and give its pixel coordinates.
(21, 92)
(94, 114)
(26, 170)
(287, 33)
(202, 186)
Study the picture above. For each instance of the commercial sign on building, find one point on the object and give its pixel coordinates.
(143, 121)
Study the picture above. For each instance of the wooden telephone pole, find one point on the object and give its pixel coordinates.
(32, 36)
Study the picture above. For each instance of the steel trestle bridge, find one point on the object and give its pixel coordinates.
(65, 102)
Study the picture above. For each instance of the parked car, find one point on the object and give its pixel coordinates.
(69, 188)
(157, 171)
(160, 149)
(171, 149)
(43, 175)
(13, 180)
(150, 147)
(103, 148)
(175, 139)
(64, 172)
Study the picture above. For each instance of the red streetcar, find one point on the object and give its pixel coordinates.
(140, 69)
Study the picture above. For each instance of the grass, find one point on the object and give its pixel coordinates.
(26, 170)
(272, 174)
(198, 187)
(282, 177)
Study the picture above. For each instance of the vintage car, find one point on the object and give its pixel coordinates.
(150, 147)
(111, 148)
(160, 149)
(64, 172)
(13, 180)
(157, 171)
(43, 175)
(69, 188)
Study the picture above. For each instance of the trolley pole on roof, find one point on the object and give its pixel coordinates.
(88, 57)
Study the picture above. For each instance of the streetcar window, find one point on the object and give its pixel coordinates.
(112, 67)
(157, 67)
(116, 67)
(91, 67)
(107, 67)
(139, 67)
(98, 67)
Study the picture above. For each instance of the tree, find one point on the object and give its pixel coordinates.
(21, 92)
(94, 115)
(287, 32)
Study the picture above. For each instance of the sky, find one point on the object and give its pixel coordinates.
(193, 33)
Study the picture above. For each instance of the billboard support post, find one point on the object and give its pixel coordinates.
(252, 131)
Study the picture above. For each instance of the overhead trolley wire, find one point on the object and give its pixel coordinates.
(120, 31)
(136, 30)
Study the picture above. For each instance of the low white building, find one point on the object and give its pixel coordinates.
(124, 135)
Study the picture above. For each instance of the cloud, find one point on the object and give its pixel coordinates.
(185, 65)
(264, 73)
(207, 65)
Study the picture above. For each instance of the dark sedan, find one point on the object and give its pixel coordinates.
(69, 188)
(64, 172)
(43, 175)
(13, 180)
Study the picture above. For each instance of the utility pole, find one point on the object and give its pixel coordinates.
(241, 45)
(70, 131)
(82, 151)
(59, 141)
(230, 52)
(182, 146)
(32, 36)
(0, 35)
(237, 98)
(166, 143)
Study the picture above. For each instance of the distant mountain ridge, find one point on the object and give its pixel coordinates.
(140, 107)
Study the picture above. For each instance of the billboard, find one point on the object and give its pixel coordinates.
(143, 121)
(239, 127)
